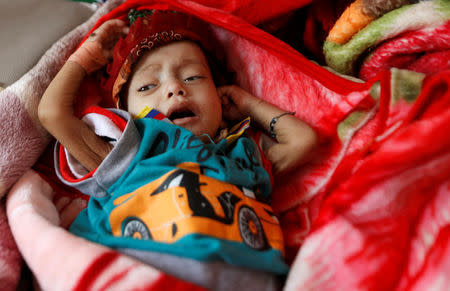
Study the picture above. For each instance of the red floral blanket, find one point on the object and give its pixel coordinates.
(370, 212)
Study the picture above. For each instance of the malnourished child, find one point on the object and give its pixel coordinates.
(169, 183)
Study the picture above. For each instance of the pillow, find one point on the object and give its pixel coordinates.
(29, 27)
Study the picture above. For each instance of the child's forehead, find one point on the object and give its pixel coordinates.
(182, 53)
(176, 49)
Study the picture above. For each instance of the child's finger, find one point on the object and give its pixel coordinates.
(224, 99)
(120, 27)
(113, 24)
(224, 90)
(109, 29)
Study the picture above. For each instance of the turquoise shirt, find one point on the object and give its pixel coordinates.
(180, 196)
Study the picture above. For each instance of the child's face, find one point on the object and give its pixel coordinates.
(176, 80)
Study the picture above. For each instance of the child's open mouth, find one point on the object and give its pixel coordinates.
(182, 116)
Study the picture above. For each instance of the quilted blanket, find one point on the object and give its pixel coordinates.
(369, 212)
(414, 37)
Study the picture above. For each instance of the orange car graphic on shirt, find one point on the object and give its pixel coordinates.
(183, 201)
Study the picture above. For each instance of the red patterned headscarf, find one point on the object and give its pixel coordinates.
(149, 29)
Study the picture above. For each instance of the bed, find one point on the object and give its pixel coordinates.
(369, 212)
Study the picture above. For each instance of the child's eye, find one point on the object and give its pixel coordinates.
(193, 78)
(146, 87)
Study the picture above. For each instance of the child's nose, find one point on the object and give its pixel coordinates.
(176, 89)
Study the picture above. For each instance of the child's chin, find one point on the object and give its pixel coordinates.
(202, 134)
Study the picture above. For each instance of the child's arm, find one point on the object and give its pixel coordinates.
(294, 138)
(56, 111)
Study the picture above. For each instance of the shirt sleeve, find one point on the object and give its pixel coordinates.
(115, 126)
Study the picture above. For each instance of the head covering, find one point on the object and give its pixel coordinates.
(149, 29)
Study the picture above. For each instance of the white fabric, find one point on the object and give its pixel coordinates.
(102, 126)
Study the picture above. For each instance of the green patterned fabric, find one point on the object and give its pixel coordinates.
(343, 57)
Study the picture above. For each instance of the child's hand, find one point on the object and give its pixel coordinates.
(108, 34)
(97, 50)
(236, 102)
(293, 139)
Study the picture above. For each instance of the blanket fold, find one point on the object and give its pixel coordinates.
(22, 138)
(389, 223)
(370, 211)
(413, 37)
(83, 265)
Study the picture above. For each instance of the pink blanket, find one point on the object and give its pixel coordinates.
(371, 211)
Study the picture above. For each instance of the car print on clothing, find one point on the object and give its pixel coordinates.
(184, 202)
